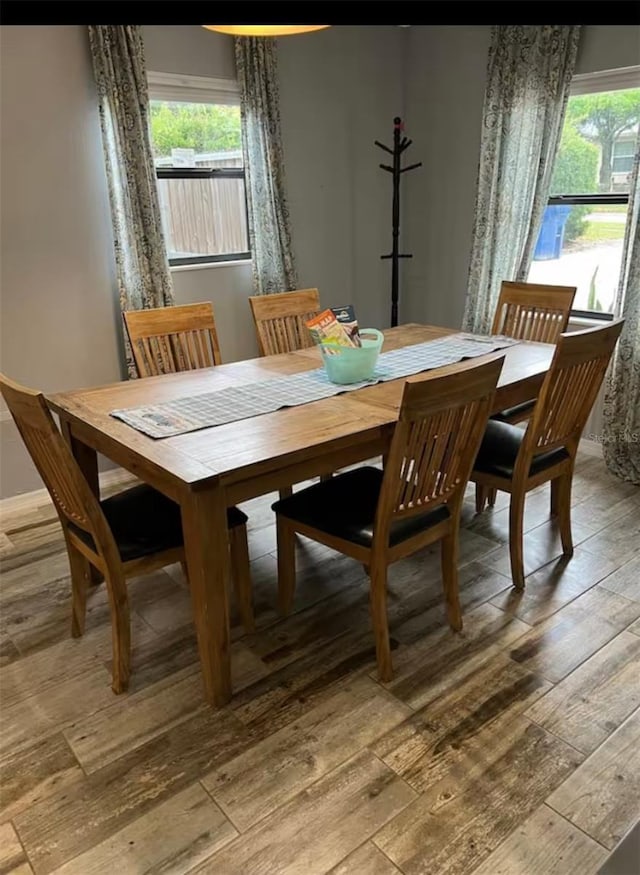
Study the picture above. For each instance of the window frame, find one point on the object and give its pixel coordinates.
(594, 83)
(200, 89)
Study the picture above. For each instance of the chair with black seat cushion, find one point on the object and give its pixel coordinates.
(516, 460)
(280, 322)
(528, 311)
(131, 533)
(378, 517)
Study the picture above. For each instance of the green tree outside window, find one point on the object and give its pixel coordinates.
(204, 127)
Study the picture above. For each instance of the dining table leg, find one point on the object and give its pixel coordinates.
(85, 456)
(206, 541)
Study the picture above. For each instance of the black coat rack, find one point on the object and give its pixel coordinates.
(400, 143)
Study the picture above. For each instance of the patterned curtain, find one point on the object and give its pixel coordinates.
(621, 433)
(528, 77)
(143, 273)
(269, 232)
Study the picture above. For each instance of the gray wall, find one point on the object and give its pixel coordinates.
(340, 89)
(445, 92)
(56, 280)
(445, 82)
(607, 47)
(188, 49)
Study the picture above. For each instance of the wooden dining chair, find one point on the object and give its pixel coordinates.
(133, 532)
(280, 320)
(378, 517)
(280, 327)
(515, 460)
(170, 339)
(529, 311)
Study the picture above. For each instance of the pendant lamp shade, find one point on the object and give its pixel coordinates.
(264, 29)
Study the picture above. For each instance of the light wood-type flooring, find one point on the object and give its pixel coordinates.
(512, 748)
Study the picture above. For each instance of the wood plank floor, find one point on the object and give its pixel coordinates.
(509, 749)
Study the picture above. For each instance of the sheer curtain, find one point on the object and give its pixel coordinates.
(269, 228)
(142, 267)
(621, 434)
(528, 77)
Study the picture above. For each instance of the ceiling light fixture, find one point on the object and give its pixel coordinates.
(264, 29)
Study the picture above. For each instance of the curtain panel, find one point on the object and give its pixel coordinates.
(621, 432)
(528, 77)
(142, 267)
(269, 225)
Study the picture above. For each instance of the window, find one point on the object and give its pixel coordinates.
(197, 148)
(582, 232)
(622, 156)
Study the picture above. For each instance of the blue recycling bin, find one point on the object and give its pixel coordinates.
(551, 236)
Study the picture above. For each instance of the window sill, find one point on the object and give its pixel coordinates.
(207, 265)
(586, 322)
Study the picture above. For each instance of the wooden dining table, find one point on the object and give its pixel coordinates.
(208, 470)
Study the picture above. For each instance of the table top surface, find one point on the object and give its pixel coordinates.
(272, 439)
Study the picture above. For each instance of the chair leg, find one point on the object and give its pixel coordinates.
(80, 581)
(516, 517)
(185, 571)
(492, 493)
(241, 575)
(285, 492)
(286, 565)
(563, 510)
(553, 506)
(481, 497)
(449, 561)
(120, 632)
(378, 598)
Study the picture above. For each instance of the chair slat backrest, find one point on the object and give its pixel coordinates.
(73, 499)
(529, 311)
(280, 320)
(440, 426)
(170, 339)
(570, 388)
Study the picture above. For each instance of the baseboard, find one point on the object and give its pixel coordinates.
(590, 448)
(40, 497)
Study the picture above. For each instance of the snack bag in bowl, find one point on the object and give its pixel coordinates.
(325, 328)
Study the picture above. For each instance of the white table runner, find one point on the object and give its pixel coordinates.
(183, 415)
